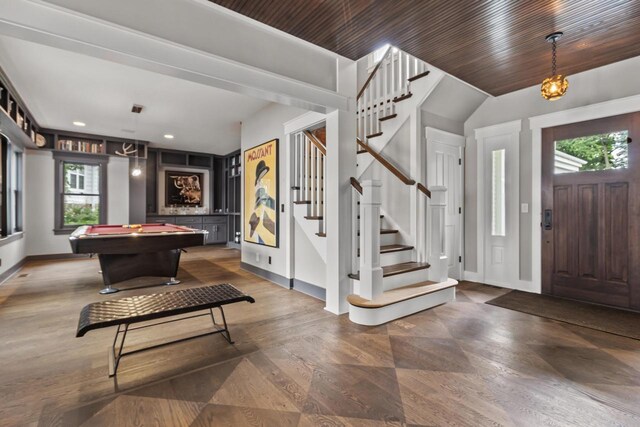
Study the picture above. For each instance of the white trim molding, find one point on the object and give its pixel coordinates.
(512, 128)
(303, 121)
(580, 114)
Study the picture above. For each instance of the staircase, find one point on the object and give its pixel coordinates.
(394, 272)
(309, 151)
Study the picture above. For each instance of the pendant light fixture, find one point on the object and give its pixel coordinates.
(136, 171)
(555, 86)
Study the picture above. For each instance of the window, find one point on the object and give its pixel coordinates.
(603, 151)
(75, 176)
(17, 192)
(81, 189)
(4, 169)
(498, 205)
(10, 191)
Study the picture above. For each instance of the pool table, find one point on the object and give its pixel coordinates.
(129, 251)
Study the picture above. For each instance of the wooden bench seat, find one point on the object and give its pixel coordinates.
(126, 311)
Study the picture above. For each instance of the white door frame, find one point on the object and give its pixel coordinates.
(512, 128)
(294, 125)
(447, 138)
(614, 107)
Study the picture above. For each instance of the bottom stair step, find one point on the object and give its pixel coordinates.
(400, 294)
(400, 302)
(392, 270)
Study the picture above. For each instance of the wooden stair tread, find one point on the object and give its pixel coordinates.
(314, 217)
(404, 293)
(395, 269)
(362, 151)
(387, 249)
(302, 202)
(374, 135)
(385, 231)
(389, 117)
(381, 216)
(419, 76)
(321, 234)
(402, 97)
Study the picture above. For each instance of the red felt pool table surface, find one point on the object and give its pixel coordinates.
(104, 230)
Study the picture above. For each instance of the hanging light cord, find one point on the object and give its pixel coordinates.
(553, 56)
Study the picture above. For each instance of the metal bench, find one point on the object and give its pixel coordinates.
(126, 311)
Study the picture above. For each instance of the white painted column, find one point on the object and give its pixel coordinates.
(370, 269)
(416, 166)
(341, 166)
(438, 271)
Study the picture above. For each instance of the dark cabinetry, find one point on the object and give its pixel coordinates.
(224, 191)
(216, 225)
(233, 177)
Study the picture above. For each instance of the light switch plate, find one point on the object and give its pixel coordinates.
(524, 207)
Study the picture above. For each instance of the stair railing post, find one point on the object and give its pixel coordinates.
(355, 211)
(438, 272)
(370, 269)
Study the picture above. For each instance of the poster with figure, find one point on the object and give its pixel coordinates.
(183, 188)
(261, 194)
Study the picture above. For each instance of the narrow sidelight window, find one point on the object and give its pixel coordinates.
(498, 205)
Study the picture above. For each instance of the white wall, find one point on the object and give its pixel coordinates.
(308, 264)
(39, 201)
(396, 195)
(614, 81)
(263, 126)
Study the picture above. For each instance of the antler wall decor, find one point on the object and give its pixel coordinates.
(127, 150)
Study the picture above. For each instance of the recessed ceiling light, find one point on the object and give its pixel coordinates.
(168, 136)
(81, 124)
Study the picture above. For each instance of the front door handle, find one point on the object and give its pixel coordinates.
(548, 219)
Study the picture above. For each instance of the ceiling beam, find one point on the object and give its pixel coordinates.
(59, 28)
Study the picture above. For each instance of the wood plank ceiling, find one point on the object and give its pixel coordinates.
(497, 45)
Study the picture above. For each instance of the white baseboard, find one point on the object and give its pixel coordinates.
(472, 276)
(519, 285)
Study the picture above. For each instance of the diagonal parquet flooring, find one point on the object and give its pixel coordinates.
(465, 363)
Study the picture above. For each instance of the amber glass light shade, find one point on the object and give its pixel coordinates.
(554, 87)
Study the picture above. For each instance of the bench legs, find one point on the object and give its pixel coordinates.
(116, 349)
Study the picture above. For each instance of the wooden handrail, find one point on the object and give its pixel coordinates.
(356, 184)
(373, 73)
(405, 179)
(424, 189)
(315, 141)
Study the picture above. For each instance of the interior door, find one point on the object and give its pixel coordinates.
(590, 201)
(501, 198)
(445, 168)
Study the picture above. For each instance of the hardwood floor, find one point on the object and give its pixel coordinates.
(294, 364)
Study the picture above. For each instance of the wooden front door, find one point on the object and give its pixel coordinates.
(591, 211)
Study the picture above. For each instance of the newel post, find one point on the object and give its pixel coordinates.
(370, 269)
(439, 270)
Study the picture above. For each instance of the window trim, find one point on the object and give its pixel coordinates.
(88, 159)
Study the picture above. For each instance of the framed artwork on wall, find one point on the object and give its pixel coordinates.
(183, 188)
(260, 215)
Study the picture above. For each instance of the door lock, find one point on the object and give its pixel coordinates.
(548, 219)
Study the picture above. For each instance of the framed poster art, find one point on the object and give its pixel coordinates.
(260, 215)
(183, 188)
